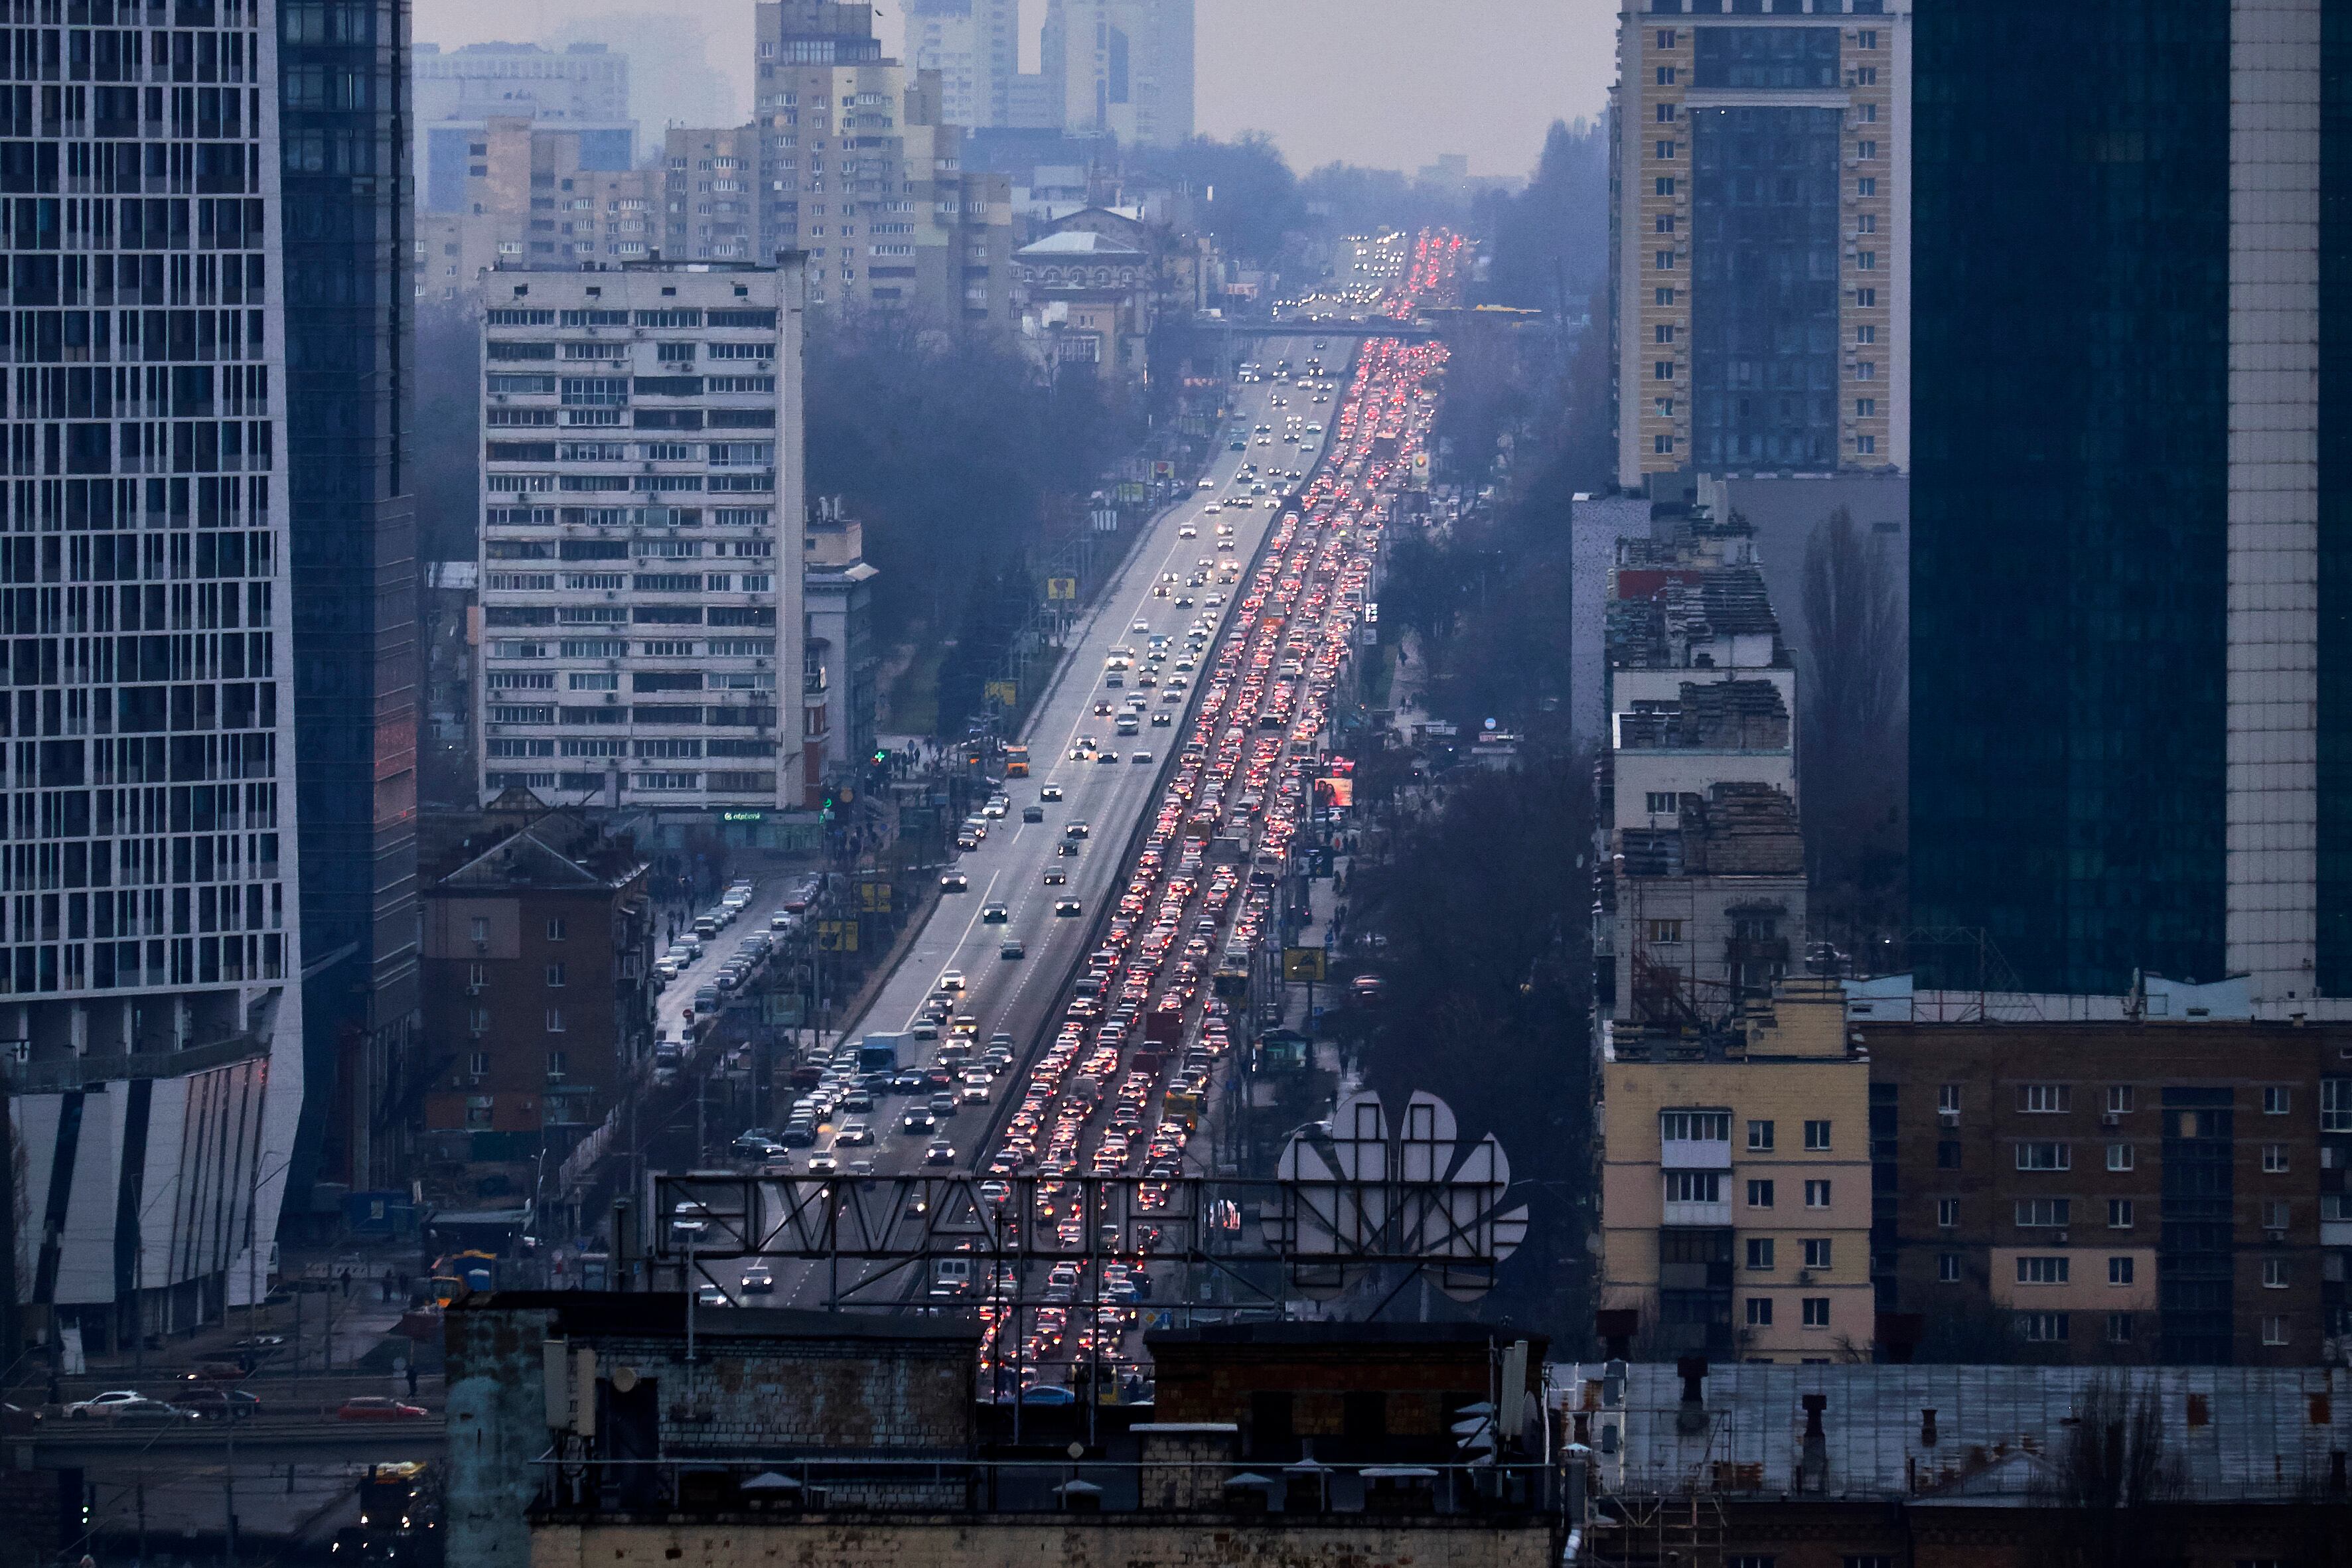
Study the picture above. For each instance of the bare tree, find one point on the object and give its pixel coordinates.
(2107, 1486)
(1854, 730)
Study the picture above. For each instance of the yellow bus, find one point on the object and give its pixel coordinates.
(1016, 762)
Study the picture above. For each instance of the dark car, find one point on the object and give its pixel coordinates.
(917, 1120)
(953, 881)
(222, 1404)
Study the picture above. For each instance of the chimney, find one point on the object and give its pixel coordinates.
(1690, 1420)
(1927, 1429)
(1813, 1461)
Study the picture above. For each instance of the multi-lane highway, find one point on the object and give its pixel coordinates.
(1008, 869)
(1265, 640)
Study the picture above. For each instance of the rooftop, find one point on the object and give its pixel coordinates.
(1977, 1436)
(548, 849)
(1719, 716)
(1078, 243)
(1672, 615)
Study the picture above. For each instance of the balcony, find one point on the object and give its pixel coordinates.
(1695, 1153)
(67, 1074)
(1682, 1213)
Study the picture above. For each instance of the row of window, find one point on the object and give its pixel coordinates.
(1706, 1186)
(1715, 1126)
(2119, 1099)
(2056, 1328)
(1762, 1254)
(1814, 1311)
(2057, 1213)
(2042, 1155)
(559, 1068)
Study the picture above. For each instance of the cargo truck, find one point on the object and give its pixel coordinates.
(879, 1053)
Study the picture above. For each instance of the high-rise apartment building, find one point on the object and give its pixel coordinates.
(150, 909)
(859, 167)
(583, 89)
(2132, 616)
(1121, 68)
(711, 193)
(641, 543)
(349, 388)
(1760, 262)
(975, 46)
(536, 195)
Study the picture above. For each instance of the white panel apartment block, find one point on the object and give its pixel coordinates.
(641, 541)
(2274, 473)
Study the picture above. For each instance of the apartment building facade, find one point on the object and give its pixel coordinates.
(151, 946)
(2132, 1191)
(975, 47)
(641, 568)
(1760, 261)
(583, 87)
(1121, 68)
(1705, 900)
(861, 168)
(1734, 1183)
(537, 952)
(535, 194)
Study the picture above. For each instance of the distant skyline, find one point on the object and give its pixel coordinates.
(1362, 82)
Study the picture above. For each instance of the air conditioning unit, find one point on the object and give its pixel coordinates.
(1946, 1118)
(474, 990)
(2111, 1118)
(2274, 1235)
(2058, 1238)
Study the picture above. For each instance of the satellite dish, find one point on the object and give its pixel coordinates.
(625, 1379)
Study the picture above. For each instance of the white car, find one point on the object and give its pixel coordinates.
(952, 980)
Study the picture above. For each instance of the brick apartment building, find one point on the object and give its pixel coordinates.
(2128, 1191)
(538, 949)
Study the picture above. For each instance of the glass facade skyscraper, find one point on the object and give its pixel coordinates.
(343, 94)
(2122, 671)
(148, 896)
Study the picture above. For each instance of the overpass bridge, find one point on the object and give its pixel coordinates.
(267, 1440)
(1444, 323)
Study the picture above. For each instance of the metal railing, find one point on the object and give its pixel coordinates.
(63, 1074)
(1526, 1493)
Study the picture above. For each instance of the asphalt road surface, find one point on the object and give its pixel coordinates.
(1019, 996)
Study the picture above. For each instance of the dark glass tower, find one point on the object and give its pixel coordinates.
(343, 74)
(2072, 486)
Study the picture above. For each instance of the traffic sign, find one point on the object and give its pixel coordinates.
(1061, 588)
(1307, 964)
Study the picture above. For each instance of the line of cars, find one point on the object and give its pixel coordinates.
(204, 1399)
(741, 965)
(1120, 1088)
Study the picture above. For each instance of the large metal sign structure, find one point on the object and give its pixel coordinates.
(1360, 1195)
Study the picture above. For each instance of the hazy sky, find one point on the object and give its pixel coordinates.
(1389, 83)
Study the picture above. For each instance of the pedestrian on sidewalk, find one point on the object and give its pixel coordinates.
(411, 1376)
(346, 1278)
(387, 1285)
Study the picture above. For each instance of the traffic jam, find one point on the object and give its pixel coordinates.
(1122, 1089)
